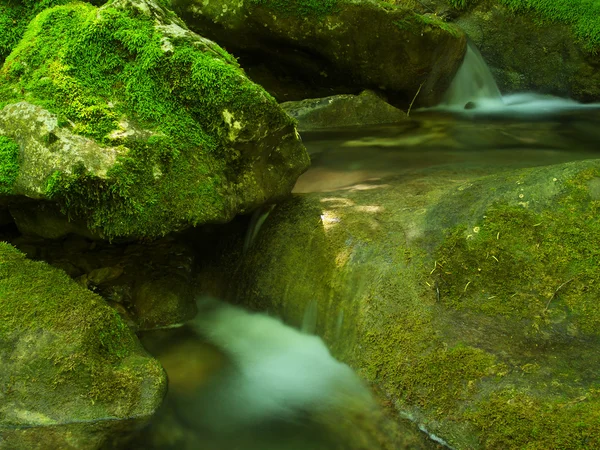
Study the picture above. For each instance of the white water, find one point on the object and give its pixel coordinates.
(474, 91)
(473, 82)
(277, 372)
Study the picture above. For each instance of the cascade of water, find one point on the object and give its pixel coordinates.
(473, 83)
(474, 91)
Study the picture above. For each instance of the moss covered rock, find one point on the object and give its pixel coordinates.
(308, 49)
(150, 284)
(137, 126)
(73, 375)
(471, 302)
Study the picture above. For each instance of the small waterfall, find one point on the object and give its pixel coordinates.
(473, 83)
(474, 91)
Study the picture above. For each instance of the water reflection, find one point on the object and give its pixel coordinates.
(434, 141)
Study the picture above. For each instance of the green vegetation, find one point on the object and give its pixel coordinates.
(525, 421)
(529, 265)
(94, 69)
(315, 8)
(415, 23)
(35, 296)
(460, 4)
(9, 164)
(14, 17)
(583, 15)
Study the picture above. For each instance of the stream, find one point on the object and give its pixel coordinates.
(249, 382)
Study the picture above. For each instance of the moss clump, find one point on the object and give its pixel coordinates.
(35, 296)
(314, 8)
(95, 67)
(72, 358)
(9, 164)
(426, 375)
(460, 4)
(14, 17)
(529, 265)
(415, 23)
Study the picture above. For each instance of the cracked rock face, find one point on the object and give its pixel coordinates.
(164, 131)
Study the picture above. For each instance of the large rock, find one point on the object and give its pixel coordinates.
(73, 375)
(526, 53)
(137, 126)
(344, 110)
(471, 302)
(301, 50)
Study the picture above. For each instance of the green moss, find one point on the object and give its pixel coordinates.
(460, 4)
(424, 373)
(525, 421)
(528, 265)
(9, 164)
(315, 8)
(415, 23)
(36, 298)
(582, 15)
(14, 17)
(93, 69)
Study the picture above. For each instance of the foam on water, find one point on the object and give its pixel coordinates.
(277, 372)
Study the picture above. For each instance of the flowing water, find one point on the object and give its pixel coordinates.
(474, 92)
(245, 381)
(436, 141)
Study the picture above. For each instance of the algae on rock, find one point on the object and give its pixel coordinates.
(73, 374)
(138, 126)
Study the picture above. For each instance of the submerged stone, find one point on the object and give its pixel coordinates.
(138, 127)
(470, 302)
(73, 374)
(300, 49)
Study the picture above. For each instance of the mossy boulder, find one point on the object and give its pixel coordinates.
(137, 126)
(73, 375)
(344, 110)
(471, 302)
(150, 284)
(310, 49)
(534, 45)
